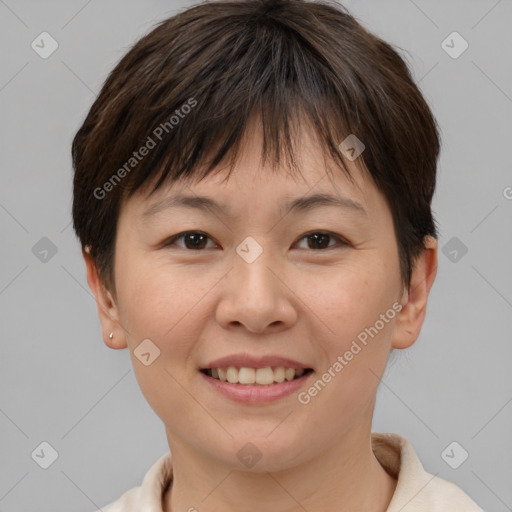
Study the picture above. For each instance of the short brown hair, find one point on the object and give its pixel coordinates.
(227, 60)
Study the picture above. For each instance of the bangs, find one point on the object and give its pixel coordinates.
(282, 86)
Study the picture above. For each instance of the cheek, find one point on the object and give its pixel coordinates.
(157, 299)
(355, 307)
(353, 298)
(164, 305)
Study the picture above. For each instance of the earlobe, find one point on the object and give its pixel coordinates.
(410, 319)
(107, 309)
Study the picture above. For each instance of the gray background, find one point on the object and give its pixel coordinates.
(59, 383)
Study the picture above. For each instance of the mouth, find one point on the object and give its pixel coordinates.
(248, 376)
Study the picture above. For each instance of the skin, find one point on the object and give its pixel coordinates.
(295, 300)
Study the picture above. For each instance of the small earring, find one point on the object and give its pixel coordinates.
(111, 335)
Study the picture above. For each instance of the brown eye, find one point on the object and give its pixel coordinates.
(193, 240)
(197, 240)
(320, 240)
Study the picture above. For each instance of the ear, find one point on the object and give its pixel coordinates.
(414, 301)
(107, 309)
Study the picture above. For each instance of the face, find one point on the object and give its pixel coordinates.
(316, 288)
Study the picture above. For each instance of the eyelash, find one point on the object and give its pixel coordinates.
(170, 241)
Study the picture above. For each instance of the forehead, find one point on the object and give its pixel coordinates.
(261, 185)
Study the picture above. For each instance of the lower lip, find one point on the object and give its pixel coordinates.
(253, 394)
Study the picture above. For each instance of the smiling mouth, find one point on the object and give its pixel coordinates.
(256, 376)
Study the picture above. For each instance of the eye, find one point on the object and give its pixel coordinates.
(194, 240)
(319, 239)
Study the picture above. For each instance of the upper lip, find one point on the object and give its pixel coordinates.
(247, 361)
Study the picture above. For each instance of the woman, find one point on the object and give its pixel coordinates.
(252, 194)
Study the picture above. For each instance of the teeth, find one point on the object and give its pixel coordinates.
(264, 376)
(279, 374)
(247, 375)
(232, 375)
(261, 376)
(289, 373)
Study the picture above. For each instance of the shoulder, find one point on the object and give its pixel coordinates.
(127, 502)
(148, 496)
(417, 490)
(446, 496)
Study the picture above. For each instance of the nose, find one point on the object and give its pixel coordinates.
(256, 296)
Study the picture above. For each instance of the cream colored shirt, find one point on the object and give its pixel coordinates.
(416, 490)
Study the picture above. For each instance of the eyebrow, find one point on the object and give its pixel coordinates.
(300, 204)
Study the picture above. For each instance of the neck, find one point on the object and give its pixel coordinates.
(347, 477)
